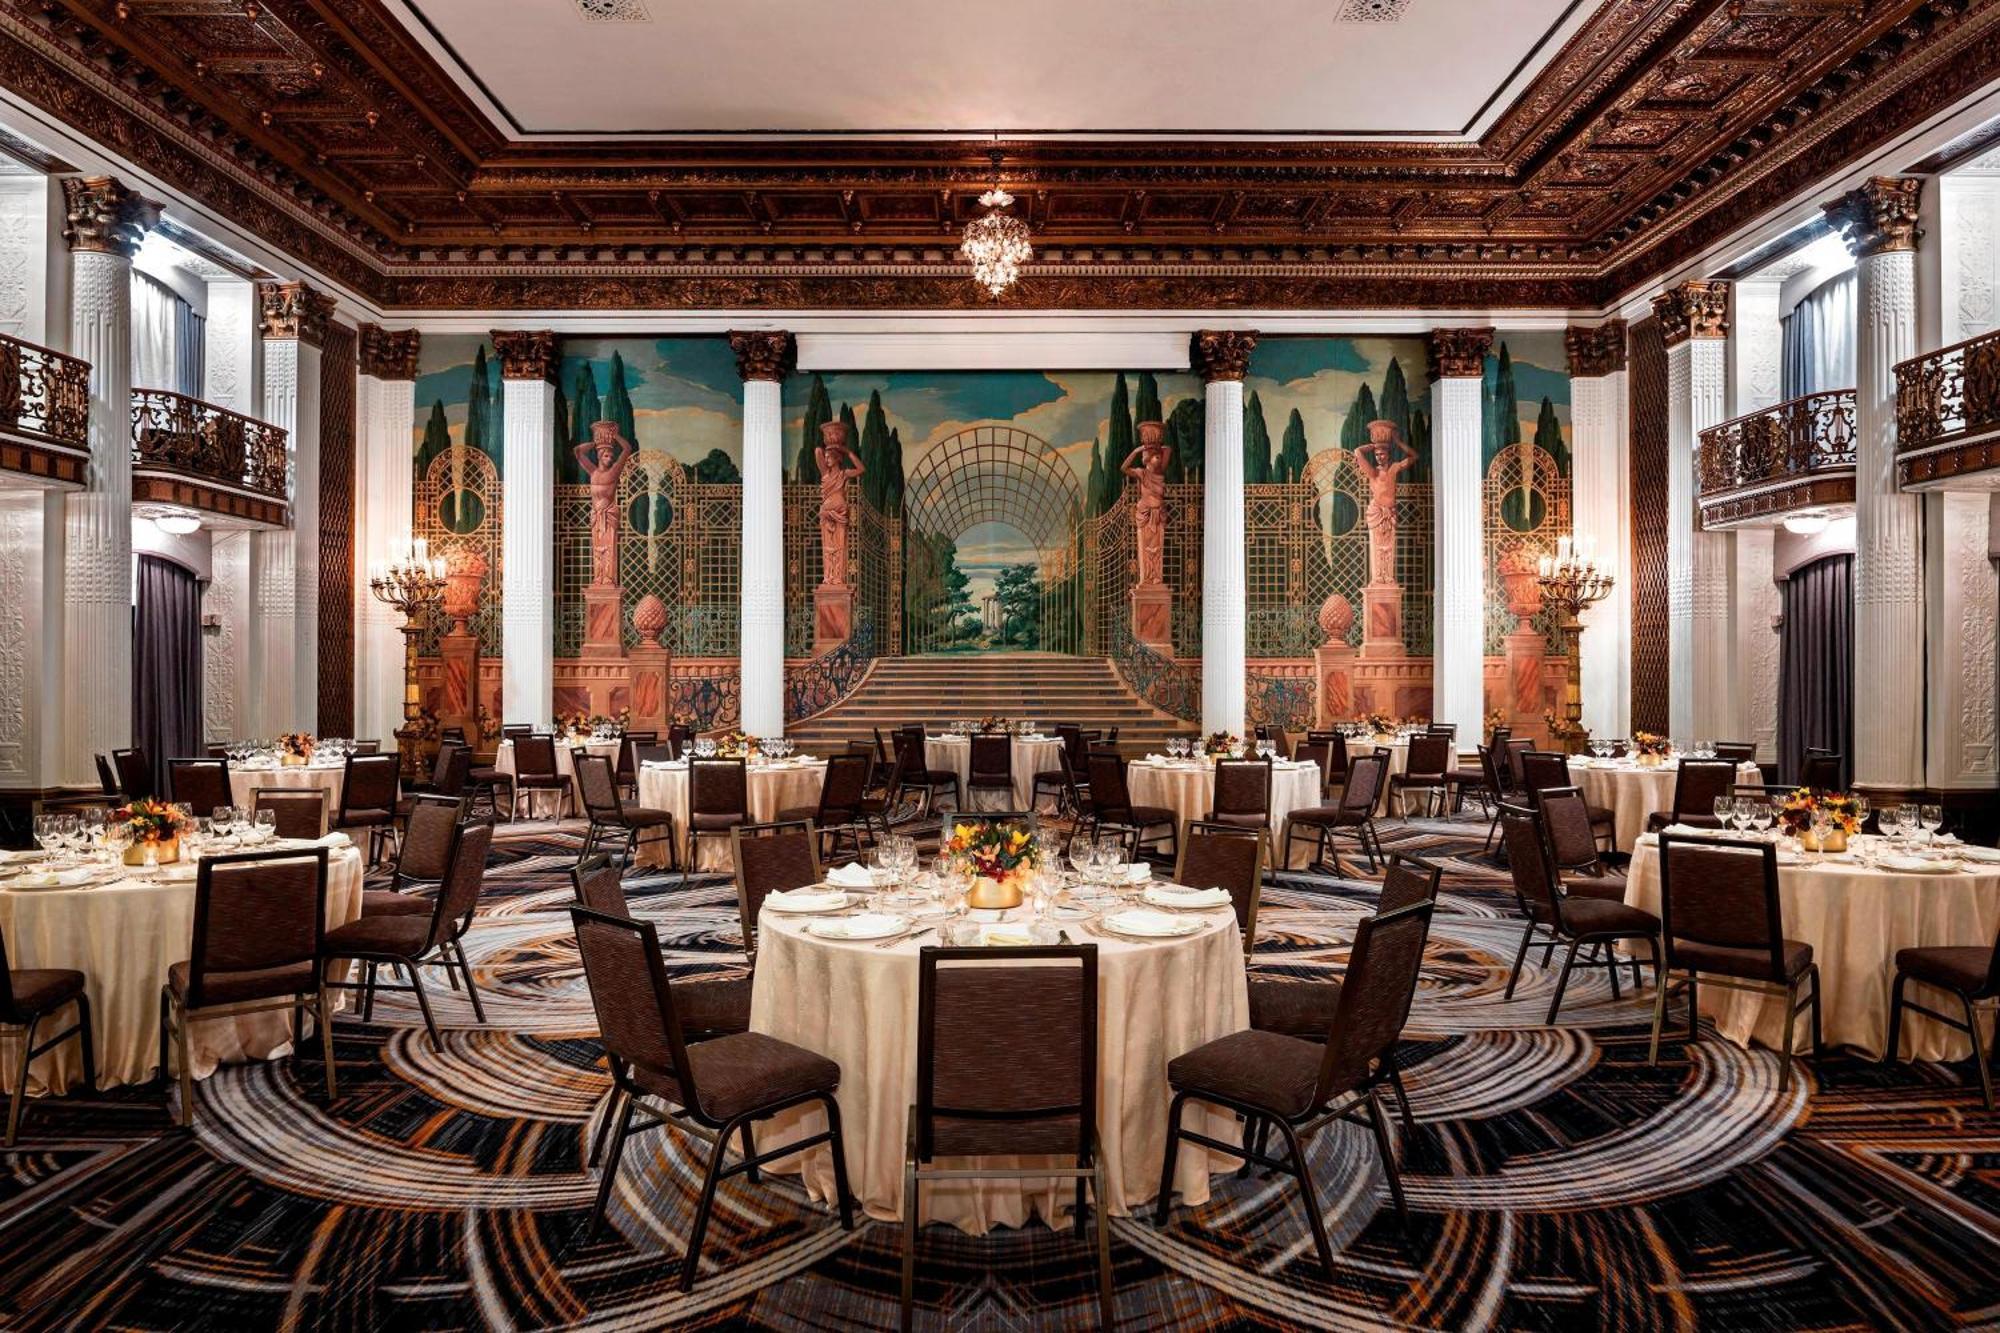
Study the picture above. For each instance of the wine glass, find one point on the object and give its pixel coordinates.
(1739, 814)
(264, 825)
(117, 838)
(1081, 849)
(1763, 814)
(1724, 807)
(1860, 813)
(48, 834)
(1931, 817)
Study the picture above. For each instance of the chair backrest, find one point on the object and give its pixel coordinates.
(771, 858)
(535, 755)
(1225, 856)
(368, 747)
(135, 773)
(992, 757)
(1107, 781)
(1528, 861)
(1281, 741)
(298, 812)
(1498, 739)
(1383, 969)
(428, 837)
(1316, 753)
(1336, 758)
(513, 731)
(1737, 752)
(458, 773)
(1821, 771)
(1511, 755)
(1723, 893)
(718, 787)
(633, 1000)
(441, 766)
(106, 778)
(1541, 770)
(599, 884)
(843, 787)
(1490, 762)
(1699, 782)
(1572, 841)
(628, 766)
(1242, 787)
(597, 786)
(1409, 879)
(1365, 776)
(255, 912)
(1075, 749)
(458, 896)
(652, 754)
(679, 737)
(200, 784)
(369, 784)
(1026, 1085)
(457, 734)
(1430, 756)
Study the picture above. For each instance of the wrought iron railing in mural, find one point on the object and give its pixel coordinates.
(1795, 439)
(458, 510)
(180, 434)
(1109, 570)
(44, 393)
(824, 681)
(1287, 700)
(1948, 397)
(1526, 509)
(1153, 676)
(709, 701)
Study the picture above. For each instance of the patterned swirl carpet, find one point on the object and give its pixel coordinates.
(1556, 1180)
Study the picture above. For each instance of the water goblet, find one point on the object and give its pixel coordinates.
(264, 825)
(1763, 814)
(1724, 807)
(1931, 818)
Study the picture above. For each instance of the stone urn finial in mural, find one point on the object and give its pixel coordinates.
(1336, 618)
(837, 464)
(1149, 515)
(1520, 574)
(649, 617)
(603, 458)
(464, 571)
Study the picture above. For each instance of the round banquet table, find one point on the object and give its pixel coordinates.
(1632, 793)
(1032, 755)
(1856, 919)
(783, 784)
(243, 783)
(123, 935)
(1187, 787)
(856, 1004)
(503, 758)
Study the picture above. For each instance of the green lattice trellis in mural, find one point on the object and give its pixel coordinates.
(458, 509)
(1109, 564)
(874, 568)
(1525, 506)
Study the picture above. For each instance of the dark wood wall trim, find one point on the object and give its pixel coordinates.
(1648, 399)
(336, 532)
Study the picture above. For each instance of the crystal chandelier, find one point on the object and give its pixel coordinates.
(996, 242)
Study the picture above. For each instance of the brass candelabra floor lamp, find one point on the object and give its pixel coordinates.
(412, 583)
(1571, 582)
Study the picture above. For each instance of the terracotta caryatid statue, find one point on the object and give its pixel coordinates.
(1149, 516)
(604, 456)
(1377, 462)
(837, 463)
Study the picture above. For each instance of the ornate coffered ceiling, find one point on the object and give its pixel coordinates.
(327, 127)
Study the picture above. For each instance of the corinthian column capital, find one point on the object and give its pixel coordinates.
(761, 354)
(1878, 216)
(102, 215)
(1222, 354)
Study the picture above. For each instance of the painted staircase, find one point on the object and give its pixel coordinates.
(1042, 687)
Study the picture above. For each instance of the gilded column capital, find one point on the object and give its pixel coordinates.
(1879, 216)
(1222, 354)
(1458, 353)
(526, 354)
(1698, 309)
(101, 215)
(294, 311)
(1595, 350)
(388, 354)
(761, 354)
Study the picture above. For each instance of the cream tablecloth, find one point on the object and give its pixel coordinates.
(1187, 787)
(857, 1005)
(243, 783)
(1855, 919)
(123, 936)
(1032, 755)
(1632, 793)
(774, 786)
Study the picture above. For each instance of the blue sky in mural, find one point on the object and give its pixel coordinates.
(686, 396)
(444, 374)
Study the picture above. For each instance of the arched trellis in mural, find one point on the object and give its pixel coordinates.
(1525, 502)
(458, 511)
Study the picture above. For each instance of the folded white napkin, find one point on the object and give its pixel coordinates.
(1917, 865)
(182, 872)
(336, 839)
(1003, 934)
(50, 879)
(863, 926)
(1173, 895)
(853, 875)
(1983, 855)
(1690, 831)
(807, 900)
(1145, 921)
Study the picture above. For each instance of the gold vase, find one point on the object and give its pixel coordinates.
(293, 761)
(1834, 841)
(990, 894)
(165, 851)
(1647, 760)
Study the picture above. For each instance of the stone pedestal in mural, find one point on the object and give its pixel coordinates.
(458, 647)
(833, 616)
(1333, 661)
(1153, 617)
(1525, 646)
(1382, 620)
(602, 632)
(652, 668)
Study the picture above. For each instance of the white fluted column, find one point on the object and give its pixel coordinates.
(294, 328)
(1600, 495)
(1700, 682)
(528, 492)
(762, 357)
(1458, 640)
(1223, 357)
(1755, 350)
(1880, 220)
(106, 222)
(385, 486)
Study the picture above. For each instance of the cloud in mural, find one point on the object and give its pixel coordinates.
(1287, 361)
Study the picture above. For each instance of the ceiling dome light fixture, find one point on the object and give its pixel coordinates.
(1807, 522)
(996, 242)
(177, 525)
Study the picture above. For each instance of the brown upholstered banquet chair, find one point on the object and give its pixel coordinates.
(653, 754)
(1737, 752)
(135, 773)
(535, 769)
(1226, 856)
(1336, 757)
(513, 731)
(429, 832)
(1009, 1090)
(200, 784)
(1478, 781)
(1511, 767)
(1696, 786)
(368, 800)
(843, 794)
(450, 772)
(628, 762)
(712, 1005)
(1280, 740)
(106, 778)
(1970, 973)
(634, 825)
(680, 740)
(27, 996)
(1573, 839)
(1424, 771)
(1571, 920)
(990, 767)
(412, 942)
(712, 1089)
(770, 858)
(1822, 770)
(918, 775)
(1319, 754)
(1111, 803)
(1724, 922)
(1242, 794)
(259, 921)
(1492, 763)
(1545, 770)
(1298, 1087)
(1065, 780)
(1353, 812)
(297, 812)
(718, 800)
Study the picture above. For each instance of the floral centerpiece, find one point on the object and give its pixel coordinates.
(1806, 807)
(579, 725)
(1220, 743)
(998, 856)
(1378, 724)
(156, 831)
(1649, 749)
(991, 724)
(736, 745)
(295, 748)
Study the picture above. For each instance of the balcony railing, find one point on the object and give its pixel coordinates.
(1795, 455)
(205, 443)
(1948, 413)
(44, 411)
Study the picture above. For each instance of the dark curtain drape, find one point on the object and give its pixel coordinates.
(1815, 665)
(190, 349)
(166, 665)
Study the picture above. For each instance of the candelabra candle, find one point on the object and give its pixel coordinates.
(1570, 582)
(414, 585)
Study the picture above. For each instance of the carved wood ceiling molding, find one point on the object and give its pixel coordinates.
(323, 127)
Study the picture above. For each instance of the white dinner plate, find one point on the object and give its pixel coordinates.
(865, 926)
(1145, 924)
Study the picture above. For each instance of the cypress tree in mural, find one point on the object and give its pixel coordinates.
(1292, 453)
(1186, 432)
(560, 435)
(478, 395)
(1500, 419)
(437, 436)
(818, 412)
(589, 408)
(1256, 442)
(1147, 406)
(1093, 485)
(1420, 440)
(875, 482)
(1118, 443)
(895, 452)
(1354, 427)
(1395, 404)
(853, 431)
(618, 402)
(1549, 435)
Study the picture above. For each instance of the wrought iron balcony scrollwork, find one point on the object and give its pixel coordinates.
(1155, 677)
(707, 703)
(44, 393)
(1947, 399)
(1286, 702)
(210, 443)
(833, 675)
(1792, 455)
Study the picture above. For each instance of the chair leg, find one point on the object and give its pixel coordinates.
(1310, 1196)
(749, 1154)
(87, 1040)
(1520, 957)
(1250, 1134)
(326, 1039)
(1562, 981)
(1894, 1050)
(1813, 973)
(187, 1070)
(1694, 1008)
(471, 987)
(19, 1099)
(1102, 1221)
(703, 1209)
(368, 993)
(909, 1287)
(424, 1003)
(1659, 1018)
(1603, 951)
(1978, 1053)
(620, 1130)
(1791, 1022)
(1165, 1198)
(837, 1144)
(1389, 1167)
(1402, 1098)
